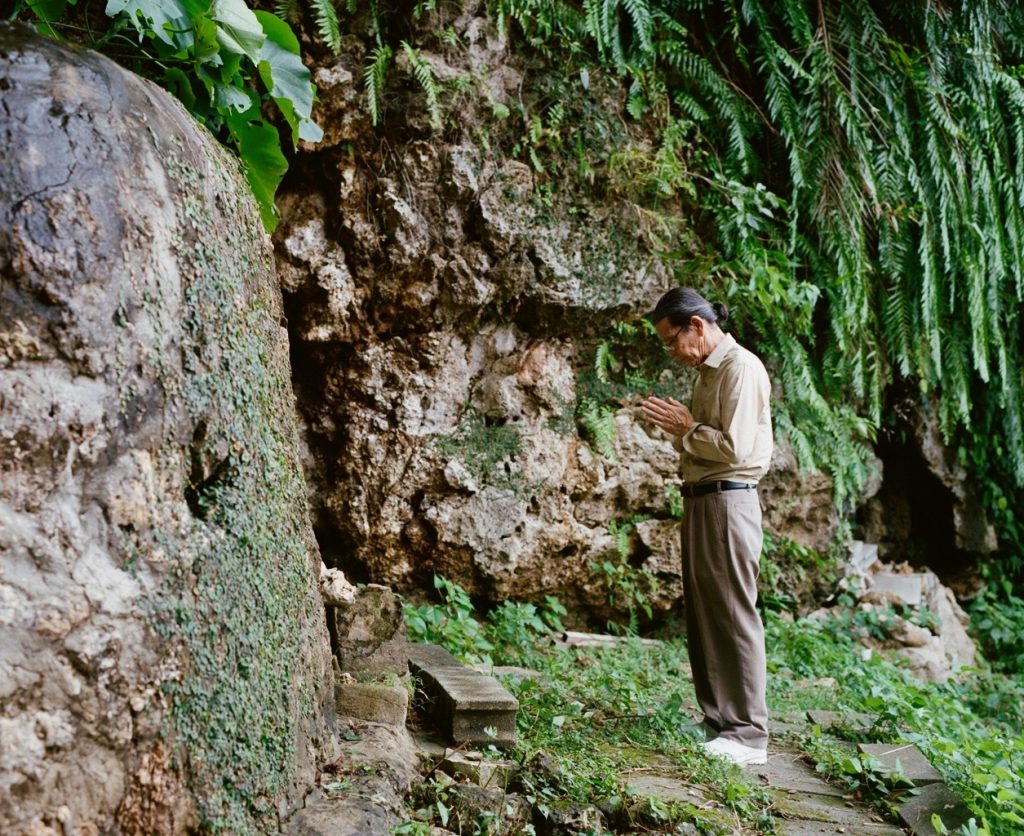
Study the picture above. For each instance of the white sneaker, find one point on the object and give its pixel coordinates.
(733, 750)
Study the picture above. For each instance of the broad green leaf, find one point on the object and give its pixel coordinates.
(207, 48)
(259, 146)
(229, 96)
(181, 86)
(48, 11)
(287, 78)
(238, 30)
(168, 20)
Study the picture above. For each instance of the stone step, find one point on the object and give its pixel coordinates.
(906, 758)
(469, 707)
(916, 812)
(841, 721)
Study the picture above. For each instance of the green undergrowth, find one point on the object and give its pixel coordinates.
(600, 712)
(969, 727)
(596, 714)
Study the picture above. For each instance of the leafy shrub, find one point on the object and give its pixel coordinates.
(629, 588)
(221, 59)
(450, 623)
(997, 618)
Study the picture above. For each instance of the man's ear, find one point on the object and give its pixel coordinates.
(697, 324)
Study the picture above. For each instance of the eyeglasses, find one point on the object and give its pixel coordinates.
(667, 344)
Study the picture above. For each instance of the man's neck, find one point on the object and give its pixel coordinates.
(712, 339)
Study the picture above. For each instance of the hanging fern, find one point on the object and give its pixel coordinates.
(425, 78)
(327, 24)
(374, 77)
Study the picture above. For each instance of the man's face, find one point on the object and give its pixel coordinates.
(685, 344)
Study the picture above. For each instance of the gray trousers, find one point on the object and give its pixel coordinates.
(722, 540)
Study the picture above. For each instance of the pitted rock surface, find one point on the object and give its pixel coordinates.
(132, 460)
(434, 285)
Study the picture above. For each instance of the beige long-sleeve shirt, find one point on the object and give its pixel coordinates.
(732, 438)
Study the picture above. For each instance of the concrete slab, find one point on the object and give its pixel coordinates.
(917, 811)
(491, 774)
(786, 773)
(908, 588)
(507, 670)
(826, 809)
(862, 555)
(815, 828)
(905, 757)
(467, 706)
(663, 787)
(783, 728)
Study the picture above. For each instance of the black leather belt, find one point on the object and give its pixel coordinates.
(704, 488)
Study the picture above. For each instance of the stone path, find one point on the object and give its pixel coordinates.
(805, 804)
(362, 792)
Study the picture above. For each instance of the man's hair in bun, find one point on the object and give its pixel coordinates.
(682, 303)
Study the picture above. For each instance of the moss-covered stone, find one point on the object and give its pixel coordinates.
(165, 629)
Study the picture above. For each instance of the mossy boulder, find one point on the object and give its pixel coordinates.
(165, 662)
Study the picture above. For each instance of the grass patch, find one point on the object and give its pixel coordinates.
(595, 714)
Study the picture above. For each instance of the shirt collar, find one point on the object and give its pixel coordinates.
(716, 357)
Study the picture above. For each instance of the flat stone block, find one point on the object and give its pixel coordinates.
(369, 632)
(862, 555)
(426, 655)
(840, 720)
(917, 811)
(827, 810)
(908, 588)
(663, 787)
(373, 702)
(815, 828)
(787, 773)
(468, 704)
(907, 757)
(489, 774)
(507, 670)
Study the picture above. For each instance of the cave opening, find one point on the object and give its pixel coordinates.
(911, 516)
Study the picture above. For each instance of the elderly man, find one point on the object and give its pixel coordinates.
(725, 439)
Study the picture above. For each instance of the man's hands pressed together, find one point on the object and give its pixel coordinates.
(670, 415)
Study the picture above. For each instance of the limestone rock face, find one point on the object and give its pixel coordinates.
(443, 300)
(164, 656)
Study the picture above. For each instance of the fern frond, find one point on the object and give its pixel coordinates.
(287, 9)
(425, 78)
(643, 23)
(327, 24)
(374, 76)
(604, 361)
(599, 422)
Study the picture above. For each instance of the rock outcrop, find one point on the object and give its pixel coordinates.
(165, 661)
(443, 300)
(906, 612)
